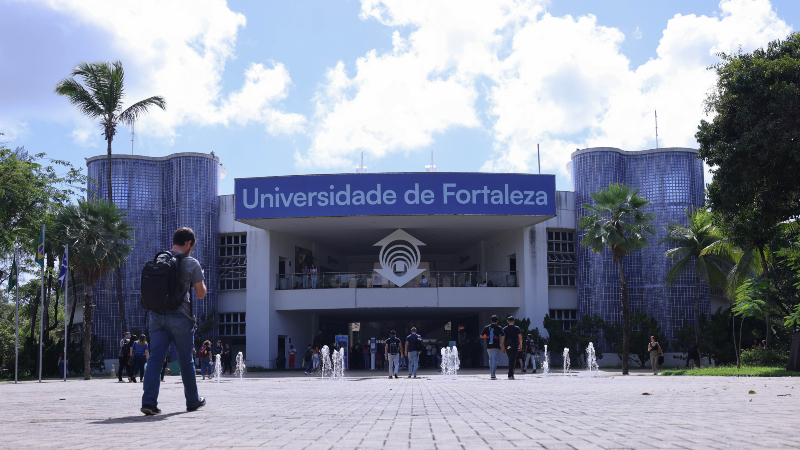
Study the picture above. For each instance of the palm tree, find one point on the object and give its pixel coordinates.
(96, 232)
(699, 243)
(620, 224)
(102, 98)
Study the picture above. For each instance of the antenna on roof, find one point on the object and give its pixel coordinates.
(431, 168)
(131, 138)
(360, 168)
(656, 111)
(539, 159)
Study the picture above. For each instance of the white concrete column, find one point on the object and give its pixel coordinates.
(260, 287)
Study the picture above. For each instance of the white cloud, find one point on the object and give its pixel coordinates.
(562, 82)
(178, 50)
(637, 33)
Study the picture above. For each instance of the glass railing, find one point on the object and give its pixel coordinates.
(435, 279)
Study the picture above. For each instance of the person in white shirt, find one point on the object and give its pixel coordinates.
(424, 281)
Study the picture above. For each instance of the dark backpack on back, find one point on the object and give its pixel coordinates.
(162, 289)
(394, 348)
(420, 345)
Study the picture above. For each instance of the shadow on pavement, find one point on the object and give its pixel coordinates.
(137, 419)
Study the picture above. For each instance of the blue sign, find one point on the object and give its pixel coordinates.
(383, 194)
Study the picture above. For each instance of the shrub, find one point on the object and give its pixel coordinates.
(758, 357)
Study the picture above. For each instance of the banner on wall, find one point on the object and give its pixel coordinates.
(395, 194)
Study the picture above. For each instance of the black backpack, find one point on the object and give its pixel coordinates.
(162, 289)
(393, 346)
(420, 345)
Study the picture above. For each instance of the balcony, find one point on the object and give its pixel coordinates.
(369, 280)
(455, 290)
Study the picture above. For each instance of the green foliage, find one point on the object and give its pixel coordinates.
(206, 328)
(732, 371)
(751, 143)
(586, 330)
(761, 357)
(748, 301)
(642, 327)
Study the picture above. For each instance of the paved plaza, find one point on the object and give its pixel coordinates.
(364, 411)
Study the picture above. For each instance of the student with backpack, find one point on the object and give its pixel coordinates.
(414, 346)
(308, 358)
(205, 359)
(495, 341)
(165, 286)
(394, 350)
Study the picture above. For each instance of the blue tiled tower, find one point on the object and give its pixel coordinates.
(672, 180)
(159, 195)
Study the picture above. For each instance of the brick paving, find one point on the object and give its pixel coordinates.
(364, 411)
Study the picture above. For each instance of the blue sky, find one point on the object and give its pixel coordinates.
(277, 88)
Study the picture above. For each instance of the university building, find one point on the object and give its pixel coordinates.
(348, 257)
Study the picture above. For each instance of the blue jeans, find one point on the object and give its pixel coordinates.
(413, 363)
(366, 361)
(62, 366)
(205, 366)
(310, 365)
(493, 354)
(139, 360)
(167, 328)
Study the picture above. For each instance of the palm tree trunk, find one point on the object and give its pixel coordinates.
(88, 311)
(109, 138)
(626, 318)
(696, 307)
(765, 268)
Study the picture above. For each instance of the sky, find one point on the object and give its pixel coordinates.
(300, 87)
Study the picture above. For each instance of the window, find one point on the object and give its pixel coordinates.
(568, 317)
(232, 262)
(561, 258)
(232, 324)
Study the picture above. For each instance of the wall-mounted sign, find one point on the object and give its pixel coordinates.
(399, 257)
(395, 194)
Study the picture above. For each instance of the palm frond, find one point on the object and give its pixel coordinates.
(79, 97)
(132, 113)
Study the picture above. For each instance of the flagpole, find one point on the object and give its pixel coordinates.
(41, 317)
(66, 307)
(16, 317)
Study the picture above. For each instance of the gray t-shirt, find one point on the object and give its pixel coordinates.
(191, 273)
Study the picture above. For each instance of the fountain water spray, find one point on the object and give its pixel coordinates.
(566, 360)
(218, 368)
(450, 363)
(591, 360)
(325, 362)
(546, 362)
(338, 365)
(240, 367)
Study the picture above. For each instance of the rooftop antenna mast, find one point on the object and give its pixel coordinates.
(361, 168)
(431, 168)
(656, 111)
(132, 138)
(539, 159)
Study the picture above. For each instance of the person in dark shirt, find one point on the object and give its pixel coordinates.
(513, 345)
(394, 349)
(694, 356)
(412, 350)
(495, 340)
(530, 353)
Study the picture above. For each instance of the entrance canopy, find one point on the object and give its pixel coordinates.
(351, 212)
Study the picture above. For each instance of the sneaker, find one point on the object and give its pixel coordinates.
(395, 375)
(415, 376)
(534, 371)
(409, 376)
(198, 405)
(494, 377)
(390, 377)
(524, 371)
(150, 410)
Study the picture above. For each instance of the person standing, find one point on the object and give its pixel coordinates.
(308, 357)
(177, 326)
(365, 353)
(513, 345)
(124, 354)
(205, 359)
(227, 359)
(316, 358)
(292, 353)
(530, 354)
(394, 350)
(413, 344)
(694, 355)
(140, 352)
(655, 351)
(494, 344)
(63, 365)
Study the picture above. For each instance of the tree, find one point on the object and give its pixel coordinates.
(751, 146)
(102, 98)
(577, 338)
(700, 244)
(96, 232)
(619, 224)
(748, 304)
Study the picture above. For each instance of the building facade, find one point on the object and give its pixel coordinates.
(671, 179)
(158, 195)
(333, 259)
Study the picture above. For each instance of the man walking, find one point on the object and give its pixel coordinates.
(513, 345)
(530, 354)
(124, 354)
(494, 344)
(412, 346)
(176, 326)
(393, 351)
(308, 357)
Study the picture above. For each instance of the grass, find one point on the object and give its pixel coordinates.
(732, 371)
